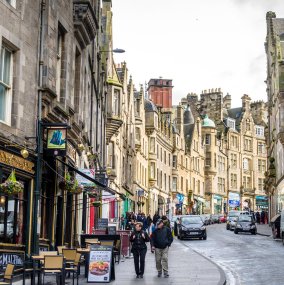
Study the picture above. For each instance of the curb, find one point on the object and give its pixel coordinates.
(265, 235)
(223, 280)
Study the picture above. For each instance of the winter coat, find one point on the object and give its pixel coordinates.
(138, 242)
(161, 238)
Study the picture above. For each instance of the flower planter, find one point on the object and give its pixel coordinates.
(11, 186)
(97, 203)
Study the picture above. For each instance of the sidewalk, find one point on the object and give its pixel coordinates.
(185, 267)
(264, 230)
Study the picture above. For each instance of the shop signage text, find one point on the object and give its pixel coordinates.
(16, 161)
(14, 258)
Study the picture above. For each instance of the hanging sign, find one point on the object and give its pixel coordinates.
(102, 224)
(100, 264)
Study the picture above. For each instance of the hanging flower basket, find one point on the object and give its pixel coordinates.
(11, 186)
(97, 203)
(72, 186)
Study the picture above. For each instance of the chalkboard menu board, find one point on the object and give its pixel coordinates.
(101, 267)
(102, 224)
(111, 230)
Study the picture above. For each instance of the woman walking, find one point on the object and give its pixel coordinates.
(139, 249)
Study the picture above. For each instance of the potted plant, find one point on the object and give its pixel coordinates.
(11, 186)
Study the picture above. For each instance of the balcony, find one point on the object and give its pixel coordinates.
(112, 125)
(85, 22)
(248, 191)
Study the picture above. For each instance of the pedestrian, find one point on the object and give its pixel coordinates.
(138, 238)
(122, 222)
(156, 218)
(161, 241)
(149, 222)
(262, 217)
(166, 221)
(257, 216)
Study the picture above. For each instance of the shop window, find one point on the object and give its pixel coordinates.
(12, 219)
(5, 85)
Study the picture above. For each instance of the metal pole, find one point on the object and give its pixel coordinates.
(35, 229)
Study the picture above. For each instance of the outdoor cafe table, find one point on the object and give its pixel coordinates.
(37, 259)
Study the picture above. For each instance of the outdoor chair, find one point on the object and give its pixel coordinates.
(75, 268)
(8, 274)
(60, 248)
(117, 251)
(44, 253)
(91, 241)
(69, 254)
(53, 265)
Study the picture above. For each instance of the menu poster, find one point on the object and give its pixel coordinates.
(111, 230)
(102, 224)
(100, 262)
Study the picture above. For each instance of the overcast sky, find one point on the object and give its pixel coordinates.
(200, 44)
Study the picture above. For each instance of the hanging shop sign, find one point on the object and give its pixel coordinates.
(234, 200)
(261, 201)
(84, 181)
(100, 264)
(16, 161)
(56, 139)
(180, 198)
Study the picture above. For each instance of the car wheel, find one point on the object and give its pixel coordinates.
(200, 238)
(253, 232)
(236, 232)
(227, 227)
(205, 237)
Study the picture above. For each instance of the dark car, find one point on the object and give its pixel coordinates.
(215, 219)
(245, 223)
(191, 227)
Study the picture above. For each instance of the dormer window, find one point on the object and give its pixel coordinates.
(259, 131)
(231, 123)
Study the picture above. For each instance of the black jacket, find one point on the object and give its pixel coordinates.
(139, 242)
(161, 238)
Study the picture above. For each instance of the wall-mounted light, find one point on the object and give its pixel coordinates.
(81, 147)
(24, 153)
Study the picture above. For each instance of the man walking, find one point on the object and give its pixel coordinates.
(161, 241)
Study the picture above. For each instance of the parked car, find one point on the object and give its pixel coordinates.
(206, 219)
(231, 219)
(191, 227)
(215, 219)
(222, 218)
(245, 223)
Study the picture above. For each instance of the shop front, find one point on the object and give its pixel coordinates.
(217, 202)
(261, 203)
(15, 209)
(234, 201)
(198, 205)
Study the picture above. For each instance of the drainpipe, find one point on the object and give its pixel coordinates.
(35, 229)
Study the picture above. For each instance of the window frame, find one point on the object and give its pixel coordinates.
(7, 87)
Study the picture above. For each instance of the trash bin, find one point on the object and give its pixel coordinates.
(275, 226)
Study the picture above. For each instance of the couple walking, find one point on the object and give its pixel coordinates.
(161, 240)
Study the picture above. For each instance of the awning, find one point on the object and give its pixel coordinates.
(199, 199)
(106, 188)
(273, 220)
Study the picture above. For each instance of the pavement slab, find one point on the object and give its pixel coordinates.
(186, 266)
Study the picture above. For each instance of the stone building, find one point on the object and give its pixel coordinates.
(235, 152)
(52, 72)
(274, 47)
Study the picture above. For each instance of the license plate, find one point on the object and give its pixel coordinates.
(194, 233)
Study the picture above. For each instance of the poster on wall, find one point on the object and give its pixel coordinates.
(100, 263)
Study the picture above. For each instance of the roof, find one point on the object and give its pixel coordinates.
(207, 123)
(150, 106)
(236, 114)
(188, 118)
